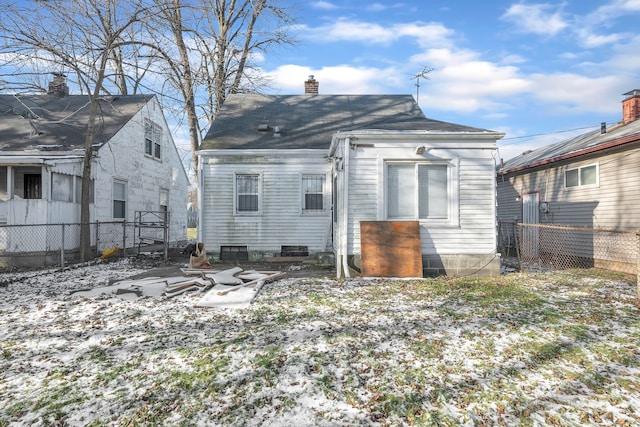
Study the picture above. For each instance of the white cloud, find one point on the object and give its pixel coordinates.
(463, 82)
(324, 5)
(367, 32)
(574, 93)
(622, 61)
(376, 7)
(379, 7)
(613, 10)
(542, 19)
(587, 27)
(514, 59)
(339, 79)
(589, 39)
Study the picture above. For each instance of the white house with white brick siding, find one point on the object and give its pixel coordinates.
(136, 166)
(298, 174)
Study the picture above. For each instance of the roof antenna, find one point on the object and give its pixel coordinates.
(417, 77)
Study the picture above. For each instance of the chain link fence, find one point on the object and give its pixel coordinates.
(542, 246)
(51, 245)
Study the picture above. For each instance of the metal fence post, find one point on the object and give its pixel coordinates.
(97, 236)
(166, 235)
(124, 238)
(62, 248)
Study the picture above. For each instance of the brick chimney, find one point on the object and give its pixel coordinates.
(311, 86)
(58, 86)
(631, 106)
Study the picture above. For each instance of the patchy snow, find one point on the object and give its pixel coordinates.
(548, 349)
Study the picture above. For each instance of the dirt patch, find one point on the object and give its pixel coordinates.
(173, 268)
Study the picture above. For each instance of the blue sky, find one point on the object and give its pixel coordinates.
(540, 72)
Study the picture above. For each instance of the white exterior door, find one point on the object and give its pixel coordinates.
(530, 215)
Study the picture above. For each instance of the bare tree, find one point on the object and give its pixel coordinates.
(84, 36)
(205, 48)
(213, 41)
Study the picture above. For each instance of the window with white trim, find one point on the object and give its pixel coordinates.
(152, 139)
(583, 176)
(247, 193)
(119, 199)
(313, 193)
(417, 191)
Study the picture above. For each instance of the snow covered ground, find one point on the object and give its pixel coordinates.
(522, 349)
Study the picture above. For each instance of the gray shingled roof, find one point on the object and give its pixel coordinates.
(310, 121)
(49, 123)
(588, 140)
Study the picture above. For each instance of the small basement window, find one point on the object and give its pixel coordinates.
(234, 253)
(294, 251)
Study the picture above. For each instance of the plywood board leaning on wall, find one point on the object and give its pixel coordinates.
(390, 249)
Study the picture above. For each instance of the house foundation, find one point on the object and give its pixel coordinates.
(483, 265)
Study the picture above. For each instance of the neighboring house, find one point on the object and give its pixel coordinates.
(297, 174)
(590, 180)
(136, 166)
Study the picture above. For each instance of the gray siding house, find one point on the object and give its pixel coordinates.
(136, 166)
(590, 180)
(298, 174)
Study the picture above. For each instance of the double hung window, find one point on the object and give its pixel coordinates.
(313, 192)
(247, 193)
(152, 139)
(119, 199)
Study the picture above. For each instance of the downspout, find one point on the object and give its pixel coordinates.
(335, 220)
(199, 193)
(345, 207)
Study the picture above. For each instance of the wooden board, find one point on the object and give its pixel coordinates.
(390, 249)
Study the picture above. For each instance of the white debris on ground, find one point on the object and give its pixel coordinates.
(530, 350)
(230, 288)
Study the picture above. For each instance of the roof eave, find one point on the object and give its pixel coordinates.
(630, 139)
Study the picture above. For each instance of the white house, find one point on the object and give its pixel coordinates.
(298, 174)
(136, 166)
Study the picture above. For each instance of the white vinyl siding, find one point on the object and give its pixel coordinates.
(280, 221)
